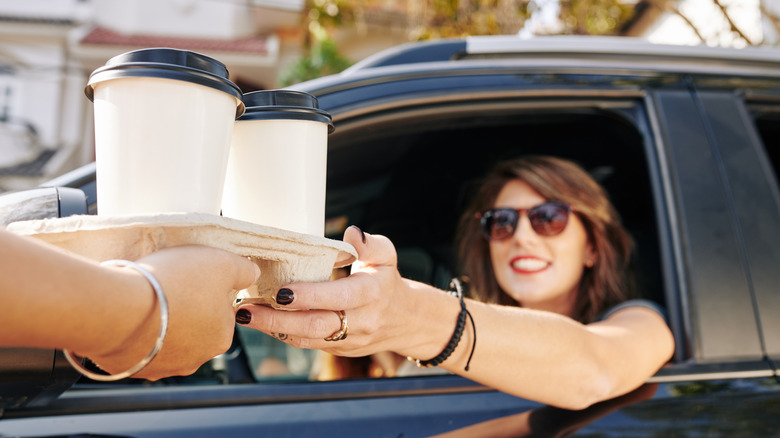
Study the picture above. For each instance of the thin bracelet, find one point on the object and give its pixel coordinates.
(457, 290)
(158, 290)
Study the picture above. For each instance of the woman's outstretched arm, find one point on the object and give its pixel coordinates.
(534, 354)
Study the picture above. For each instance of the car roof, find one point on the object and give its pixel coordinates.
(560, 53)
(595, 47)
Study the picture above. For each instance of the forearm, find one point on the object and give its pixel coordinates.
(428, 320)
(544, 356)
(53, 299)
(532, 354)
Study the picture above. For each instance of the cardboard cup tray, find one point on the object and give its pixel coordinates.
(283, 256)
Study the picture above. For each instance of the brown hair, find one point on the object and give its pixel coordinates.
(607, 283)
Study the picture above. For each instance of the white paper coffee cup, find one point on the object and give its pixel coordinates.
(278, 162)
(163, 123)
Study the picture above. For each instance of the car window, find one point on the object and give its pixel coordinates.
(764, 249)
(409, 174)
(767, 119)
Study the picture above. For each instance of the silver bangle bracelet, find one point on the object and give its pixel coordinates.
(158, 290)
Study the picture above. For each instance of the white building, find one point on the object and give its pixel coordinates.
(48, 48)
(40, 111)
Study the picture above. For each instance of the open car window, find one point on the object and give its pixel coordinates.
(408, 175)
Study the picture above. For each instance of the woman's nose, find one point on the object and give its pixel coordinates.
(524, 232)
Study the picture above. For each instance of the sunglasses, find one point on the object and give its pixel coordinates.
(548, 219)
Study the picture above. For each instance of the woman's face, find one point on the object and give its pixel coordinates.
(539, 272)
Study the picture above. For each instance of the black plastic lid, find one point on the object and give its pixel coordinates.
(168, 63)
(284, 104)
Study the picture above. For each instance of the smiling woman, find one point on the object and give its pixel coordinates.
(581, 260)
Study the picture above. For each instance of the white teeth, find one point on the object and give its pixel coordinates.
(529, 264)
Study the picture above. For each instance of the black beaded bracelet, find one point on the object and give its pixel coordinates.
(457, 290)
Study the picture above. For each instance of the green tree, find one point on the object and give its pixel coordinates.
(431, 19)
(594, 17)
(323, 59)
(321, 55)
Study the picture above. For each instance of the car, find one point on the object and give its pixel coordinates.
(686, 140)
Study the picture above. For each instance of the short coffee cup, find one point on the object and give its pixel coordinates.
(278, 162)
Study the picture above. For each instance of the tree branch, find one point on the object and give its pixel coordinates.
(774, 19)
(733, 25)
(670, 7)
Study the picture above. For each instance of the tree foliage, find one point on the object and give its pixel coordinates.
(322, 59)
(321, 56)
(431, 19)
(594, 17)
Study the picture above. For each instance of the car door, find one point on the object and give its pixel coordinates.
(750, 181)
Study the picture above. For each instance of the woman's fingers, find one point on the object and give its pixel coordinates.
(376, 256)
(364, 297)
(199, 264)
(308, 329)
(301, 329)
(248, 273)
(372, 249)
(346, 293)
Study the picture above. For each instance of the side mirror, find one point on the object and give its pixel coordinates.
(29, 376)
(41, 203)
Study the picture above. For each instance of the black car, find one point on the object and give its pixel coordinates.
(685, 139)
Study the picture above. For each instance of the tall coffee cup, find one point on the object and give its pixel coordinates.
(163, 122)
(278, 162)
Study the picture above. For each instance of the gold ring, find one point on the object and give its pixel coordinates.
(341, 333)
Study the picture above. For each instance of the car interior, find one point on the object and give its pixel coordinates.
(411, 179)
(767, 119)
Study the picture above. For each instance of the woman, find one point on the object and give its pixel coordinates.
(546, 256)
(54, 299)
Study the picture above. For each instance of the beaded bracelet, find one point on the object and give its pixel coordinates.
(456, 288)
(158, 290)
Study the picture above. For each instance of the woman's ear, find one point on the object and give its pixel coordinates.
(590, 256)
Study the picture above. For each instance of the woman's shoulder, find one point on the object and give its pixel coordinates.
(633, 303)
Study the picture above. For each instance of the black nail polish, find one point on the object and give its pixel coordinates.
(362, 234)
(243, 316)
(285, 296)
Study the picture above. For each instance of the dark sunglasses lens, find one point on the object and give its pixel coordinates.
(549, 219)
(499, 224)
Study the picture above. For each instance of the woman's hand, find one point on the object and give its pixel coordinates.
(198, 282)
(384, 311)
(51, 298)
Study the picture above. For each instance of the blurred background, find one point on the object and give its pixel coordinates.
(48, 48)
